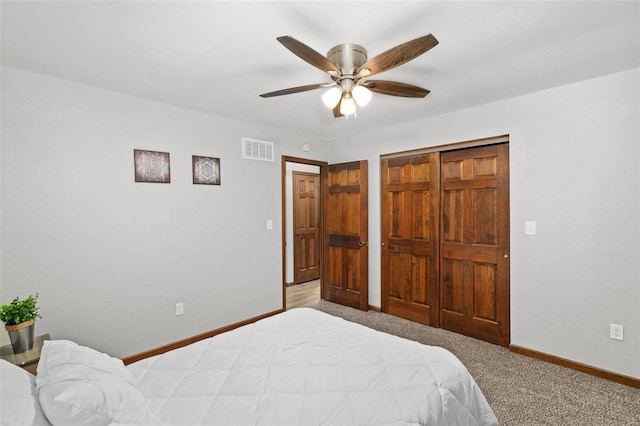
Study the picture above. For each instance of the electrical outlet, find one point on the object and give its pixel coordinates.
(616, 331)
(179, 308)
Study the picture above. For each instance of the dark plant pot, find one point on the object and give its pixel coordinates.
(21, 336)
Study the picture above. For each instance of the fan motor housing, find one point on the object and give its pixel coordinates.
(348, 57)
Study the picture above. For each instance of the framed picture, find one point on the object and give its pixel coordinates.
(151, 166)
(206, 170)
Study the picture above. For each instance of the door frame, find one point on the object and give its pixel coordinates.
(473, 143)
(323, 165)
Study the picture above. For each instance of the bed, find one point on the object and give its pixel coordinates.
(301, 367)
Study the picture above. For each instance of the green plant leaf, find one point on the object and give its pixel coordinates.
(20, 310)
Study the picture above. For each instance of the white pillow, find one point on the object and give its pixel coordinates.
(77, 385)
(18, 402)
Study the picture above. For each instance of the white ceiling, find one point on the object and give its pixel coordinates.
(217, 57)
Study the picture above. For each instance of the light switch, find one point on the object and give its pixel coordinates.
(269, 225)
(530, 227)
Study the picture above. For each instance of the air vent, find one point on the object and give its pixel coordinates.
(257, 150)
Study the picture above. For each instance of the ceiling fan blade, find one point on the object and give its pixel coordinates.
(308, 54)
(336, 110)
(394, 88)
(397, 56)
(298, 89)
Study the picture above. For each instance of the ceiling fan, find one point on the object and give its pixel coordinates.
(347, 65)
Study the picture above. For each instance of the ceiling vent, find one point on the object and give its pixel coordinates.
(257, 150)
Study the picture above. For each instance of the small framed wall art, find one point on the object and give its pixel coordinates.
(151, 166)
(206, 170)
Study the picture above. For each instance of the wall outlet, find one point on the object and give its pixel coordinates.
(616, 331)
(179, 308)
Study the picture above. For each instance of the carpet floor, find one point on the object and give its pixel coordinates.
(522, 391)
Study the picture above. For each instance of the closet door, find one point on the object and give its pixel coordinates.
(410, 220)
(474, 268)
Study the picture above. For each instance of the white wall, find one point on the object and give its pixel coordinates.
(109, 257)
(574, 164)
(290, 168)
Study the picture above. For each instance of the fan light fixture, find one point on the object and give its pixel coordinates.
(347, 106)
(359, 95)
(331, 97)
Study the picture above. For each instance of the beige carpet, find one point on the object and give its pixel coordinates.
(521, 390)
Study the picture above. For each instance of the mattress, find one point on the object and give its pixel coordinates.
(305, 367)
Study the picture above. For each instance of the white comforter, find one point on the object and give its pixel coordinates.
(304, 367)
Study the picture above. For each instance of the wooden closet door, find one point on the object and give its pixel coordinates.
(474, 268)
(410, 238)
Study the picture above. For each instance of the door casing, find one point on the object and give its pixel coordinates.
(324, 168)
(322, 165)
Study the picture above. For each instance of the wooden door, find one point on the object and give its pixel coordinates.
(474, 268)
(410, 238)
(345, 235)
(306, 238)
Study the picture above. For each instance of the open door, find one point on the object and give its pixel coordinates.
(345, 234)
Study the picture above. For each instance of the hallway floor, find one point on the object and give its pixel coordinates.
(301, 294)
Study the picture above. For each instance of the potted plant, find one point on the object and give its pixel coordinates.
(19, 318)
